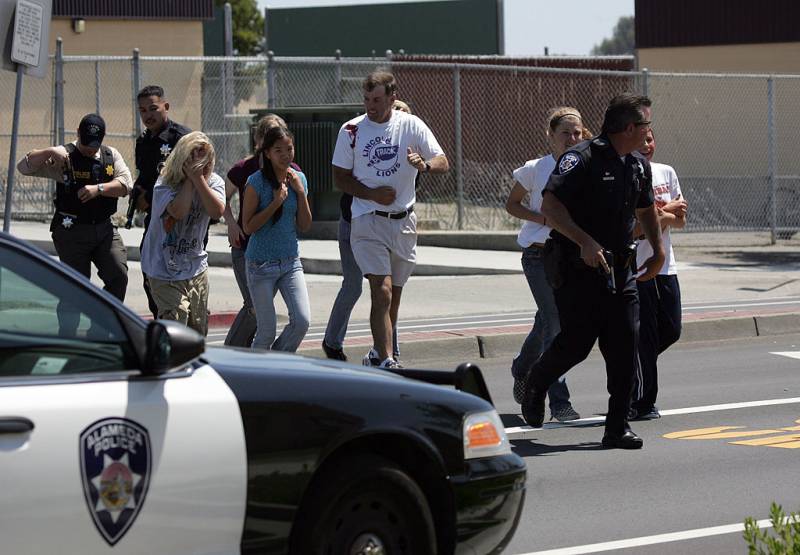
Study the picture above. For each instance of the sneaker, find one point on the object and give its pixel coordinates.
(520, 384)
(389, 364)
(371, 359)
(331, 352)
(533, 407)
(646, 414)
(565, 414)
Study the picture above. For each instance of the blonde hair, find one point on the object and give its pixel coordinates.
(173, 173)
(586, 133)
(402, 106)
(559, 114)
(265, 124)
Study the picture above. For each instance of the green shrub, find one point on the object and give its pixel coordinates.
(782, 539)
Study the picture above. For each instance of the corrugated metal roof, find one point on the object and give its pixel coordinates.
(134, 9)
(665, 23)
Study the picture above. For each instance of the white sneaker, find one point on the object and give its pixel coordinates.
(389, 364)
(371, 358)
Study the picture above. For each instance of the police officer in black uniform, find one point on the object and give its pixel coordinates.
(90, 178)
(153, 147)
(591, 201)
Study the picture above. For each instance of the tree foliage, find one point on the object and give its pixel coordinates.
(622, 40)
(248, 26)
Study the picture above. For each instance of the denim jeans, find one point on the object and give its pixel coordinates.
(266, 279)
(352, 283)
(244, 325)
(545, 325)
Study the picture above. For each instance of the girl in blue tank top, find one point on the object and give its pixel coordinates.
(275, 206)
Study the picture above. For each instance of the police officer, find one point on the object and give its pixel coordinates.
(90, 178)
(152, 148)
(591, 200)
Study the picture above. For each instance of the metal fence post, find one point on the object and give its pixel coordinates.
(136, 85)
(59, 92)
(458, 149)
(97, 86)
(645, 82)
(338, 73)
(772, 162)
(228, 85)
(270, 79)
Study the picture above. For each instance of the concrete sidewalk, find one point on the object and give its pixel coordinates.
(452, 281)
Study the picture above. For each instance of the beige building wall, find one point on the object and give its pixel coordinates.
(114, 37)
(734, 58)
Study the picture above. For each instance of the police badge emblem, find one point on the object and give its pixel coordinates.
(568, 162)
(67, 222)
(165, 150)
(115, 460)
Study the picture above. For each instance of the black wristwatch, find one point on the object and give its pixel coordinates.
(427, 167)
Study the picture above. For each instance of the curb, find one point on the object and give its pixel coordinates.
(488, 346)
(317, 266)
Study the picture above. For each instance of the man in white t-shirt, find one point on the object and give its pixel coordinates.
(660, 297)
(376, 160)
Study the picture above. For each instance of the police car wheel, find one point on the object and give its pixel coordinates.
(366, 505)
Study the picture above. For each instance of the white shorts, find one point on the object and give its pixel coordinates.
(385, 247)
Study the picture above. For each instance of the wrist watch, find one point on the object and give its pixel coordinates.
(427, 167)
(100, 189)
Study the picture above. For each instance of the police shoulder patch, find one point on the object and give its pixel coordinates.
(115, 466)
(568, 162)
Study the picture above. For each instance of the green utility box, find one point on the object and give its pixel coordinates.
(315, 129)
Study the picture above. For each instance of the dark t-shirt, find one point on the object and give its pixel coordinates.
(601, 191)
(238, 175)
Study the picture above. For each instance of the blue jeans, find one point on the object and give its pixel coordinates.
(545, 326)
(244, 325)
(352, 282)
(266, 279)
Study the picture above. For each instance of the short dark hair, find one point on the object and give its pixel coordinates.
(623, 110)
(380, 78)
(150, 90)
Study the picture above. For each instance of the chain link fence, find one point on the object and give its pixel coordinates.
(728, 136)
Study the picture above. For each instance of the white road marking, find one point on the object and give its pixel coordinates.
(790, 354)
(650, 540)
(527, 432)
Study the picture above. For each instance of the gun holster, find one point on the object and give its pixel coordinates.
(555, 263)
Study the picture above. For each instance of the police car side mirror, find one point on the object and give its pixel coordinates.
(169, 345)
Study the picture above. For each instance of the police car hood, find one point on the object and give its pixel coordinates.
(247, 359)
(270, 365)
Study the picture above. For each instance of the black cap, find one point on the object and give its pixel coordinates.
(92, 130)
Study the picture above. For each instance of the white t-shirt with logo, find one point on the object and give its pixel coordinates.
(533, 177)
(378, 156)
(665, 188)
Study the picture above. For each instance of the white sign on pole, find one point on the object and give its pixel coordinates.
(28, 26)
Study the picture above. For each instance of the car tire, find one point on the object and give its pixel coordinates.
(365, 504)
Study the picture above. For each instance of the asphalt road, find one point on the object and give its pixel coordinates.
(688, 480)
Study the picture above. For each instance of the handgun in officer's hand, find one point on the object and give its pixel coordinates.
(132, 201)
(611, 281)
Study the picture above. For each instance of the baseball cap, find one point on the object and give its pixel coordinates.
(91, 130)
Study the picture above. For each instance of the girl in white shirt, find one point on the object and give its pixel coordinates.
(564, 130)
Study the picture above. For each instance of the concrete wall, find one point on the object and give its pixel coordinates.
(734, 58)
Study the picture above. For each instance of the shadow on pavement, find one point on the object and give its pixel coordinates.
(527, 448)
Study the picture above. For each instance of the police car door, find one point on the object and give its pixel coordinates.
(94, 457)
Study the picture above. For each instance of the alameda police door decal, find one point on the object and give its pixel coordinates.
(115, 459)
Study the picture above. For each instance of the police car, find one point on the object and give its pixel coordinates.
(119, 435)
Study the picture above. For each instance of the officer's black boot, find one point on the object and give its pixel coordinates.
(533, 406)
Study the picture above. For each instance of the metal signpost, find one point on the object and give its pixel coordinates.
(25, 51)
